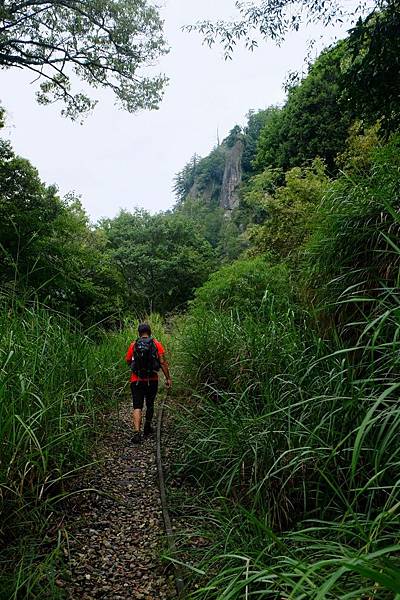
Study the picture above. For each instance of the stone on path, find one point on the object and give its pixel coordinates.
(116, 536)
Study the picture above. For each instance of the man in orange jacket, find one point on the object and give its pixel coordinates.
(145, 356)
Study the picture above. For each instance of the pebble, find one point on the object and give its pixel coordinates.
(116, 537)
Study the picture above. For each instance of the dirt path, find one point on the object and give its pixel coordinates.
(115, 542)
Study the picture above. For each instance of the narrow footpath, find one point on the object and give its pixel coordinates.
(115, 537)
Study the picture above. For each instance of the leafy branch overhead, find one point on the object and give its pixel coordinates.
(103, 43)
(273, 19)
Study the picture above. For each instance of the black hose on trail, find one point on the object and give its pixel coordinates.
(179, 584)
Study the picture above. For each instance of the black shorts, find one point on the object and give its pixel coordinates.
(141, 391)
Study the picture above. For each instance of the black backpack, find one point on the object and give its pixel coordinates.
(145, 361)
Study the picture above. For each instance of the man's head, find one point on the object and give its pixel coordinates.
(144, 330)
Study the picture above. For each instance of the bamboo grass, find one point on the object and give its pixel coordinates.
(56, 381)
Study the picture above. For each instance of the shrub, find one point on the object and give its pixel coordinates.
(354, 246)
(246, 286)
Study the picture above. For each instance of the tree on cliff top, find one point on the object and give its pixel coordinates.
(372, 69)
(104, 43)
(313, 121)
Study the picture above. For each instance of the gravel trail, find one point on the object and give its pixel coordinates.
(115, 537)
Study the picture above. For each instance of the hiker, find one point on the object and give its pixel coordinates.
(145, 356)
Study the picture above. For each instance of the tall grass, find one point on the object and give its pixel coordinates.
(302, 466)
(56, 381)
(294, 438)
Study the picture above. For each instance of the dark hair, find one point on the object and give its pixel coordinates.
(144, 328)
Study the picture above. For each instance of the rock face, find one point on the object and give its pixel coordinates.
(229, 197)
(217, 177)
(208, 193)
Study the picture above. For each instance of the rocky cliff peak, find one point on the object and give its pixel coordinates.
(229, 196)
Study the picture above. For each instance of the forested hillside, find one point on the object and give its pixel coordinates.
(277, 272)
(292, 448)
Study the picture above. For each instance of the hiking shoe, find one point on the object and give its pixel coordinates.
(137, 438)
(147, 430)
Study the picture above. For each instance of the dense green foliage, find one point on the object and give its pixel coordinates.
(104, 43)
(288, 349)
(293, 440)
(312, 122)
(48, 248)
(289, 210)
(56, 382)
(133, 263)
(162, 259)
(256, 122)
(242, 286)
(315, 121)
(355, 242)
(372, 75)
(292, 448)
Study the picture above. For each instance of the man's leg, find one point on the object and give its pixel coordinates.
(137, 401)
(150, 394)
(137, 418)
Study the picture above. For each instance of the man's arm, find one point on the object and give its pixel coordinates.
(129, 354)
(165, 370)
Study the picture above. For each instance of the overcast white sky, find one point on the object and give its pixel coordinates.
(117, 160)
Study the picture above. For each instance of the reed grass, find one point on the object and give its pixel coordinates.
(304, 486)
(57, 382)
(293, 444)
